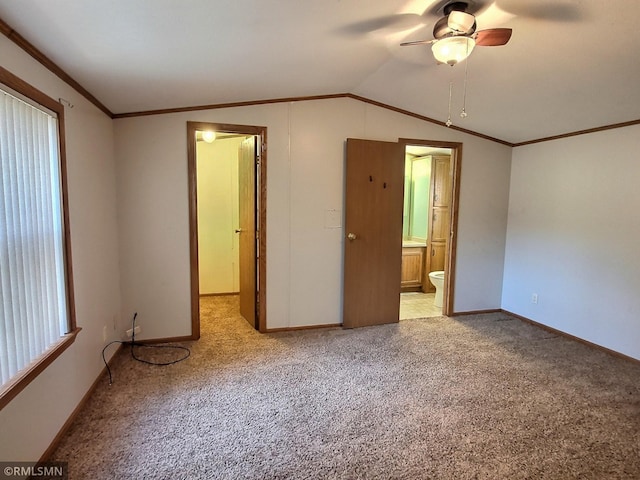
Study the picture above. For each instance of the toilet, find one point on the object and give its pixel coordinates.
(437, 280)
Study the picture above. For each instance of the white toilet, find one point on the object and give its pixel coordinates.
(437, 280)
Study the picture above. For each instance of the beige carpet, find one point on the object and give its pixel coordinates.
(477, 397)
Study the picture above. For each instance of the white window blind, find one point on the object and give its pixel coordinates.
(33, 300)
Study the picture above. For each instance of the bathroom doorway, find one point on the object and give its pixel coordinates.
(429, 228)
(227, 212)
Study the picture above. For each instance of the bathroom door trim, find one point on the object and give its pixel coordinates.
(450, 263)
(261, 220)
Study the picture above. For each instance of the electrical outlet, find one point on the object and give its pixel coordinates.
(130, 331)
(104, 334)
(534, 298)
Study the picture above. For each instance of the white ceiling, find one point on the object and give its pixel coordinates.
(570, 64)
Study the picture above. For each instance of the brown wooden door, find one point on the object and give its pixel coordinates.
(441, 175)
(373, 232)
(439, 224)
(412, 266)
(438, 253)
(439, 219)
(247, 228)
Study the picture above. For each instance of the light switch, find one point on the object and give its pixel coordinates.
(332, 218)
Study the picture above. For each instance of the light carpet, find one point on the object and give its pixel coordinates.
(473, 397)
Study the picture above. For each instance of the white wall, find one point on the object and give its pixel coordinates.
(33, 418)
(217, 172)
(305, 164)
(574, 237)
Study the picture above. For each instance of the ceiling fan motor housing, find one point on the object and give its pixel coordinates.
(455, 22)
(455, 6)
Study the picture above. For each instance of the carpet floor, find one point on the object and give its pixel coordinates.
(474, 397)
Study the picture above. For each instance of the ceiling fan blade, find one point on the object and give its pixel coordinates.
(417, 42)
(493, 37)
(398, 22)
(564, 11)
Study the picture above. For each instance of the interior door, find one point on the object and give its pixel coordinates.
(373, 229)
(439, 219)
(247, 229)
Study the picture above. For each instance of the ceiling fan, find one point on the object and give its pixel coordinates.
(455, 35)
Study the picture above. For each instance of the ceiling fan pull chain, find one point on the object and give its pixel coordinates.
(449, 122)
(463, 113)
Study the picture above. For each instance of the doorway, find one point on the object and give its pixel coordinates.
(432, 171)
(227, 217)
(374, 197)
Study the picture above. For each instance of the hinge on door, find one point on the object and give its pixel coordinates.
(260, 152)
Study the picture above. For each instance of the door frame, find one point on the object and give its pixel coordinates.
(261, 220)
(452, 240)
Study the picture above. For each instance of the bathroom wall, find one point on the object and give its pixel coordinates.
(573, 237)
(217, 172)
(420, 183)
(305, 186)
(406, 209)
(416, 197)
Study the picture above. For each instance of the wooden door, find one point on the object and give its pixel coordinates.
(373, 232)
(438, 254)
(439, 218)
(247, 229)
(441, 175)
(439, 224)
(412, 266)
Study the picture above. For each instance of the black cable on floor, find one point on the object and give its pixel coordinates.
(133, 343)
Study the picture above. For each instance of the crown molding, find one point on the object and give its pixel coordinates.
(29, 48)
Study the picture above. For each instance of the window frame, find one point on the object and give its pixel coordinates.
(15, 385)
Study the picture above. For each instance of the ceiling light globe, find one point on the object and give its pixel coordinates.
(452, 50)
(208, 136)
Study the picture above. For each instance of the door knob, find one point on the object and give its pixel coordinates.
(238, 230)
(352, 236)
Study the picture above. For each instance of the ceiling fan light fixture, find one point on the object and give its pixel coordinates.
(452, 50)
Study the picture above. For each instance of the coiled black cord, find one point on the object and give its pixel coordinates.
(133, 344)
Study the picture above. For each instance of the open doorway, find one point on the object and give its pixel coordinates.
(374, 195)
(227, 216)
(429, 225)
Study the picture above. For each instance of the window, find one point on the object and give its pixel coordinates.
(36, 305)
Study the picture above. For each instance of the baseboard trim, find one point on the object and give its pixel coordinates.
(76, 411)
(573, 337)
(309, 327)
(187, 338)
(476, 312)
(224, 294)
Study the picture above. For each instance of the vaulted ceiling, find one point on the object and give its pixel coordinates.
(570, 65)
